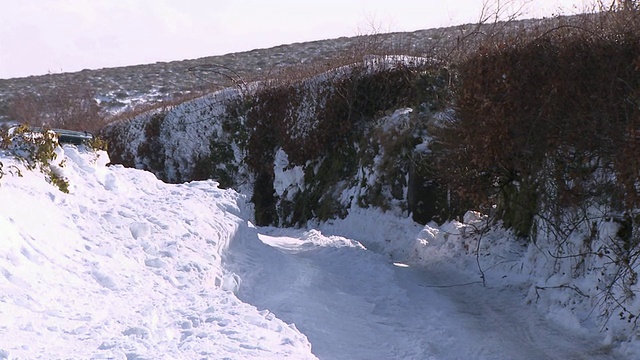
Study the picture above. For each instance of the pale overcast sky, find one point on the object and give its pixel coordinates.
(42, 36)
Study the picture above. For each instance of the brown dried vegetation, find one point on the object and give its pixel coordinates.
(542, 113)
(70, 107)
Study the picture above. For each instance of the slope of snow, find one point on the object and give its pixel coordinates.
(125, 266)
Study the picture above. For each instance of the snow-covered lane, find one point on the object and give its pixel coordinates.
(352, 303)
(125, 266)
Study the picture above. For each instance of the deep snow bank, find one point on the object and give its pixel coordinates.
(125, 266)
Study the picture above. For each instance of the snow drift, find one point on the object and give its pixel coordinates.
(125, 266)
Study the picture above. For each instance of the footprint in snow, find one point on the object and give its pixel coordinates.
(104, 280)
(156, 263)
(110, 182)
(4, 354)
(139, 230)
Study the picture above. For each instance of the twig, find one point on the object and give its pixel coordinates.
(482, 232)
(574, 288)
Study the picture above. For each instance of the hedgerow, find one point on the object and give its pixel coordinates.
(546, 140)
(324, 123)
(552, 109)
(321, 122)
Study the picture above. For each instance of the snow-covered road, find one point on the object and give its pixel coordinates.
(127, 267)
(352, 303)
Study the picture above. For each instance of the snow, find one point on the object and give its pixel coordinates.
(350, 300)
(285, 177)
(128, 267)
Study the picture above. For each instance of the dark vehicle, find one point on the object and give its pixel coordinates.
(69, 136)
(73, 137)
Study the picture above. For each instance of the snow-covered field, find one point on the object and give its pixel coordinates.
(128, 267)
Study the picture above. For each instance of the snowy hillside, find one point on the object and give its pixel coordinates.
(125, 266)
(128, 267)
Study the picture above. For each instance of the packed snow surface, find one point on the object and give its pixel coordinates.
(128, 267)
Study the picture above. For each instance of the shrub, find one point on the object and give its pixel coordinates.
(97, 143)
(37, 151)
